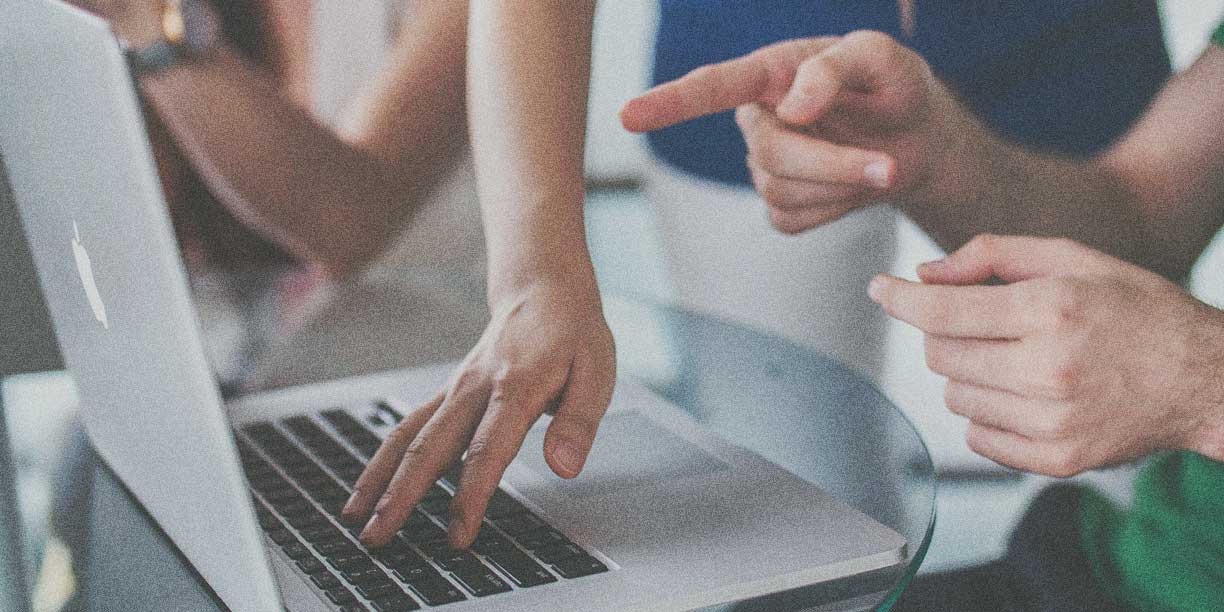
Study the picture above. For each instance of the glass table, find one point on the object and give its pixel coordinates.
(806, 412)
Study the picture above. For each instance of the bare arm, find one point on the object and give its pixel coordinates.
(839, 123)
(529, 66)
(547, 346)
(330, 198)
(1155, 198)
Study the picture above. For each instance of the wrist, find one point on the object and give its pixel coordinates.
(525, 275)
(954, 145)
(1205, 434)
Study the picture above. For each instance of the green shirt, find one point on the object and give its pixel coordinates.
(1166, 552)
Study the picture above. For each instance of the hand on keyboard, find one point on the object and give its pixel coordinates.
(543, 352)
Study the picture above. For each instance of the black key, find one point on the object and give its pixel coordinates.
(388, 411)
(579, 566)
(432, 588)
(502, 505)
(540, 538)
(365, 575)
(351, 563)
(283, 495)
(267, 522)
(293, 506)
(436, 549)
(397, 555)
(422, 532)
(281, 536)
(311, 566)
(326, 582)
(296, 551)
(398, 603)
(339, 549)
(521, 569)
(381, 590)
(519, 523)
(458, 561)
(482, 583)
(305, 521)
(489, 542)
(322, 534)
(438, 506)
(354, 608)
(270, 482)
(349, 474)
(554, 554)
(340, 596)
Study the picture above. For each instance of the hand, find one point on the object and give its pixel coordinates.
(1082, 361)
(831, 124)
(136, 21)
(543, 351)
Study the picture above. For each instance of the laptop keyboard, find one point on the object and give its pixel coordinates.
(302, 470)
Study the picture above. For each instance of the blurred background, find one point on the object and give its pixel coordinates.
(979, 501)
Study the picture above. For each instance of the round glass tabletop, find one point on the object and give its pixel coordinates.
(801, 409)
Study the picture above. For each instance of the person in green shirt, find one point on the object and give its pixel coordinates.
(1068, 343)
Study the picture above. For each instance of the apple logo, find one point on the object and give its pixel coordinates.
(85, 268)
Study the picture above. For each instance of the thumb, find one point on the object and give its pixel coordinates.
(569, 438)
(1008, 258)
(869, 72)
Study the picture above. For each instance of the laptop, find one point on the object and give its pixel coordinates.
(666, 516)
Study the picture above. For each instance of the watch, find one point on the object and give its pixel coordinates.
(189, 30)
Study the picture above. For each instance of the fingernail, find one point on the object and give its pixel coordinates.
(788, 106)
(877, 174)
(875, 287)
(927, 265)
(365, 533)
(568, 458)
(350, 507)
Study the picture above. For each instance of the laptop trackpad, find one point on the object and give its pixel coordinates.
(630, 452)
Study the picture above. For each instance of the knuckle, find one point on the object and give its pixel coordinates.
(512, 378)
(1061, 381)
(481, 456)
(977, 441)
(785, 222)
(1069, 462)
(1058, 424)
(1066, 306)
(954, 398)
(766, 151)
(870, 38)
(416, 452)
(937, 356)
(984, 245)
(772, 190)
(744, 117)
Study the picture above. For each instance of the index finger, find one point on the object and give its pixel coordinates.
(704, 91)
(763, 75)
(993, 312)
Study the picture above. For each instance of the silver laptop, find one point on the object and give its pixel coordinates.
(666, 515)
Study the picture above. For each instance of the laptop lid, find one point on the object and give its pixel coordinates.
(82, 174)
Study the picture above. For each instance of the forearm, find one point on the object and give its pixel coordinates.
(331, 199)
(270, 163)
(528, 74)
(1154, 198)
(986, 185)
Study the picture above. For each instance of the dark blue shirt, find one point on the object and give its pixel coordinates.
(1066, 76)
